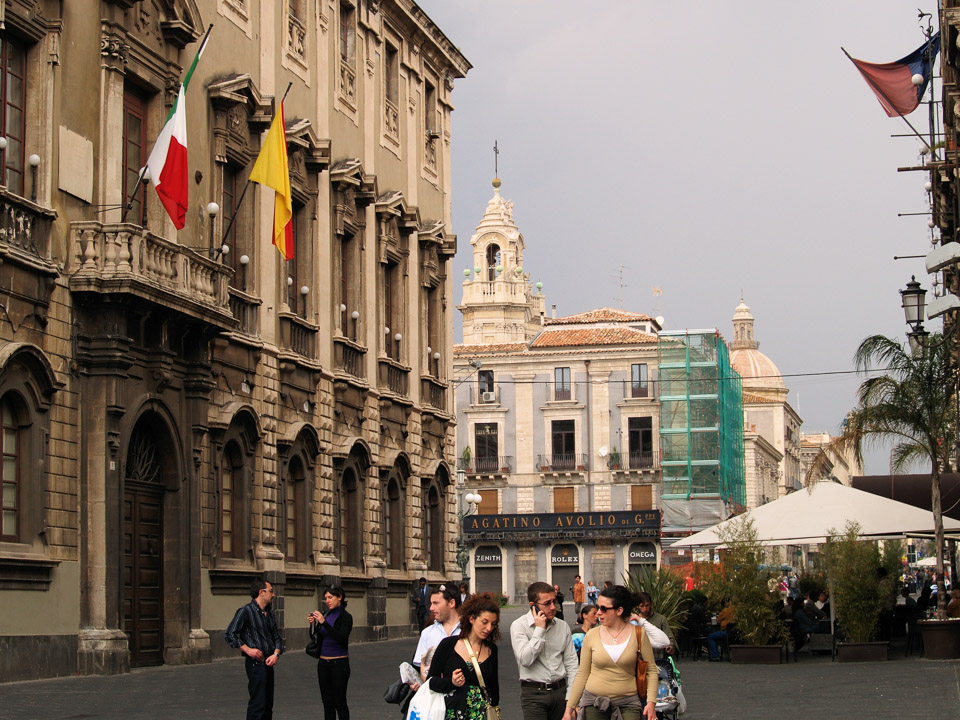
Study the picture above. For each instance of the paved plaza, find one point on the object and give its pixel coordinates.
(814, 687)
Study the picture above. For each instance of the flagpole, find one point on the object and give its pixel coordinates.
(889, 101)
(243, 192)
(129, 205)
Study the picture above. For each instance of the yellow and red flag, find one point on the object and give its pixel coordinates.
(271, 169)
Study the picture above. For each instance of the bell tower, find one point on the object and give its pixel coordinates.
(499, 303)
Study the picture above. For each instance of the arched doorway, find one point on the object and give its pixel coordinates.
(150, 466)
(564, 566)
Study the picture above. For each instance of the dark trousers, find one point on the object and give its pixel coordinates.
(332, 676)
(260, 686)
(421, 616)
(543, 704)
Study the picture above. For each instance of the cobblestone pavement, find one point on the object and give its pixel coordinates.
(814, 687)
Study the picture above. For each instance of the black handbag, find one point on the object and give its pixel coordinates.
(397, 692)
(313, 646)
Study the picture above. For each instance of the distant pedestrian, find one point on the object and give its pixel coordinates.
(254, 632)
(333, 667)
(593, 592)
(559, 602)
(546, 658)
(421, 601)
(579, 592)
(689, 583)
(464, 593)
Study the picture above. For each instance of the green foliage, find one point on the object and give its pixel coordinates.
(466, 455)
(812, 579)
(501, 599)
(743, 581)
(857, 593)
(913, 404)
(614, 457)
(666, 592)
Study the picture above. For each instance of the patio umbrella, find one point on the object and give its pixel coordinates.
(808, 515)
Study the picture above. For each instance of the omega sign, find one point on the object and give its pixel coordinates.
(643, 553)
(533, 524)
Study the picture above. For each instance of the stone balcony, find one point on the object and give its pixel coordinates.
(126, 259)
(25, 233)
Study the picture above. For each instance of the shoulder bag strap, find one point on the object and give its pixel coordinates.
(641, 667)
(476, 665)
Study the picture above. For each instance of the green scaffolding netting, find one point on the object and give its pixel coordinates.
(701, 418)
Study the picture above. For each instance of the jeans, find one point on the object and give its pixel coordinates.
(332, 676)
(260, 686)
(543, 704)
(713, 648)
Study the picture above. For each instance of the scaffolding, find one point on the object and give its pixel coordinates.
(701, 430)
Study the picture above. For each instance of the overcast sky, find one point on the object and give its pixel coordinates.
(710, 147)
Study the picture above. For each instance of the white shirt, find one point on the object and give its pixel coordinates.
(614, 651)
(544, 654)
(658, 638)
(430, 638)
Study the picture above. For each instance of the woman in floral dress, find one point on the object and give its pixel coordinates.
(452, 672)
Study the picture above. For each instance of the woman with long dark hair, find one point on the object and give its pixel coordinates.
(606, 683)
(586, 620)
(333, 667)
(452, 670)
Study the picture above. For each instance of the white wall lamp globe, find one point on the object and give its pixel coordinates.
(917, 79)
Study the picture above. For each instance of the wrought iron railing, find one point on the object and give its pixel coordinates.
(642, 460)
(564, 462)
(492, 465)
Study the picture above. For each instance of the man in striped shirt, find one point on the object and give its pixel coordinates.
(254, 632)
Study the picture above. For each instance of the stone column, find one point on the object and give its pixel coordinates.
(604, 563)
(524, 570)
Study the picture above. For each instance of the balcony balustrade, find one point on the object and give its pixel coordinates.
(433, 392)
(639, 390)
(394, 377)
(25, 232)
(566, 462)
(298, 335)
(492, 465)
(348, 357)
(126, 259)
(246, 309)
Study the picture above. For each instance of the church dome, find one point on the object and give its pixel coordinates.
(758, 372)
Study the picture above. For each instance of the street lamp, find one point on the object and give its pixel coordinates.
(913, 301)
(473, 502)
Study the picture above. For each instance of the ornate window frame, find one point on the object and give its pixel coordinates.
(302, 452)
(242, 437)
(27, 379)
(351, 484)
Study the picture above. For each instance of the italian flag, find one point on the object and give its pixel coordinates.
(167, 164)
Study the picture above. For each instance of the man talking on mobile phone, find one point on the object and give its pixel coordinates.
(545, 656)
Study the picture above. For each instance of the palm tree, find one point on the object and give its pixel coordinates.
(914, 403)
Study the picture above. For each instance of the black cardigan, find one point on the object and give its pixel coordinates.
(446, 659)
(340, 630)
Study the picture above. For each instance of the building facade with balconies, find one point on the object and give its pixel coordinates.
(557, 427)
(184, 411)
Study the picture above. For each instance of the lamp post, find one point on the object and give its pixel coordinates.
(913, 301)
(473, 501)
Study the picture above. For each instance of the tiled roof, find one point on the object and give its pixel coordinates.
(490, 349)
(599, 315)
(573, 337)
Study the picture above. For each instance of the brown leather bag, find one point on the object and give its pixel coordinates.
(641, 668)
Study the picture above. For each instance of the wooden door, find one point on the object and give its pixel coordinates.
(143, 573)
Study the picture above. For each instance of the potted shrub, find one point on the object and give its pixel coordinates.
(665, 589)
(465, 458)
(614, 459)
(743, 582)
(857, 593)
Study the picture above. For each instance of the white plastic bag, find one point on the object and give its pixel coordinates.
(427, 705)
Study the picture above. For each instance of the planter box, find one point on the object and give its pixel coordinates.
(862, 652)
(941, 639)
(756, 654)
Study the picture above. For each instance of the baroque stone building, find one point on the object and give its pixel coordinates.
(771, 425)
(182, 411)
(557, 423)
